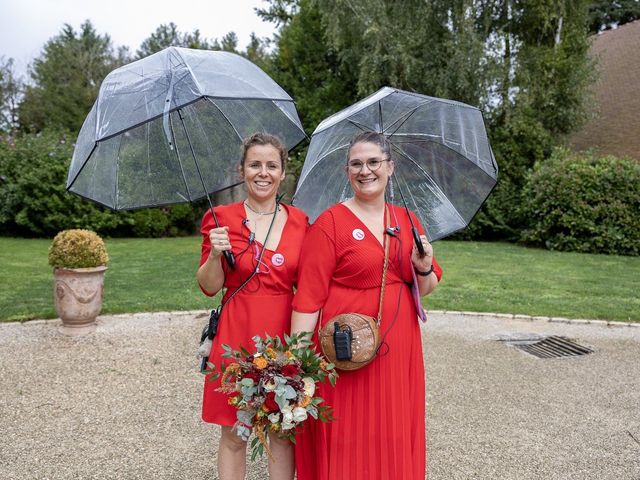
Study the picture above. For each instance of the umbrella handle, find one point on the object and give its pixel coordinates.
(418, 240)
(230, 259)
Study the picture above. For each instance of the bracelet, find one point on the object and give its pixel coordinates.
(425, 274)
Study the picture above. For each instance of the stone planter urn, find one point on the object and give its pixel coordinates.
(79, 259)
(77, 294)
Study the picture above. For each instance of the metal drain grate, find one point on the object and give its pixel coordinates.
(549, 347)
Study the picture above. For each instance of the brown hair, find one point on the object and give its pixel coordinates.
(371, 137)
(262, 138)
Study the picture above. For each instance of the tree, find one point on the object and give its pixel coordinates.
(306, 66)
(309, 69)
(10, 92)
(66, 78)
(524, 63)
(169, 36)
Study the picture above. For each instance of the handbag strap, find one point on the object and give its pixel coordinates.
(255, 270)
(386, 263)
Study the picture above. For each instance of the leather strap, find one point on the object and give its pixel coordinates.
(386, 242)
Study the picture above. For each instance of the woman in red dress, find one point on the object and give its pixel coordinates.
(379, 429)
(262, 306)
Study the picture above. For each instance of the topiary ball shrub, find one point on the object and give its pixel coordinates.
(77, 249)
(583, 203)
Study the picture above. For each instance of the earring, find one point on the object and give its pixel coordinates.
(390, 184)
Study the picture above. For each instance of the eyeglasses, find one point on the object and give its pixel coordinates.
(355, 166)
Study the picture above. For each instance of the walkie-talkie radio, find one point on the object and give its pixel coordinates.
(342, 338)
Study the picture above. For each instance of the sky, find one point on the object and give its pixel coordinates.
(26, 25)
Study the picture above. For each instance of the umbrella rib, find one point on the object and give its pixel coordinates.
(195, 79)
(93, 149)
(184, 178)
(149, 160)
(359, 125)
(186, 105)
(286, 114)
(435, 185)
(115, 188)
(225, 117)
(406, 116)
(409, 135)
(326, 154)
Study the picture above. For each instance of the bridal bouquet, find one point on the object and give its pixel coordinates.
(274, 387)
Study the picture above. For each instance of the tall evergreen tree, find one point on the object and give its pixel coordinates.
(523, 62)
(168, 35)
(66, 78)
(10, 92)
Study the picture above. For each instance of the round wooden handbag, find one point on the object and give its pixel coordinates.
(364, 339)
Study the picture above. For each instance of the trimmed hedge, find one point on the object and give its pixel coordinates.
(583, 203)
(35, 203)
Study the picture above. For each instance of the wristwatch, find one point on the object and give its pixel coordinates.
(425, 274)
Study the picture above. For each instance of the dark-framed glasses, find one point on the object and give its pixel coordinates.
(373, 164)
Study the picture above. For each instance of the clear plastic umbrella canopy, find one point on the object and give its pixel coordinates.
(168, 128)
(444, 166)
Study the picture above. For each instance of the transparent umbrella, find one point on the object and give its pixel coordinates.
(445, 168)
(168, 128)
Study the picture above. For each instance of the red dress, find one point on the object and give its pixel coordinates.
(263, 306)
(379, 431)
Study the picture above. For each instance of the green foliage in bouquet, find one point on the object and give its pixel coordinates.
(77, 249)
(274, 388)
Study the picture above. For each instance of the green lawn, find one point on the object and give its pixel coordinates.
(159, 274)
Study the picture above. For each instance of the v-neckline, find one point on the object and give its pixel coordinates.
(284, 228)
(384, 226)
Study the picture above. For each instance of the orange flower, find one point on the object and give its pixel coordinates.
(304, 402)
(288, 354)
(271, 353)
(230, 371)
(260, 363)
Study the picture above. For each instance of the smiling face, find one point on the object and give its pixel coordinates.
(262, 172)
(367, 184)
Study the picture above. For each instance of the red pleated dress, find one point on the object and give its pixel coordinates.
(263, 306)
(379, 427)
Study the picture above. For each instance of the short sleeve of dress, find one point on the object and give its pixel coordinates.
(317, 265)
(436, 267)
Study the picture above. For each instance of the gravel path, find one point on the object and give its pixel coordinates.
(125, 402)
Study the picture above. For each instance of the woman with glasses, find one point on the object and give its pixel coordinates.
(263, 305)
(379, 429)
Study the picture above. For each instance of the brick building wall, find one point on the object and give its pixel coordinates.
(616, 101)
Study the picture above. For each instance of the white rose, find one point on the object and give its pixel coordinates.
(309, 386)
(274, 417)
(299, 414)
(287, 415)
(287, 418)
